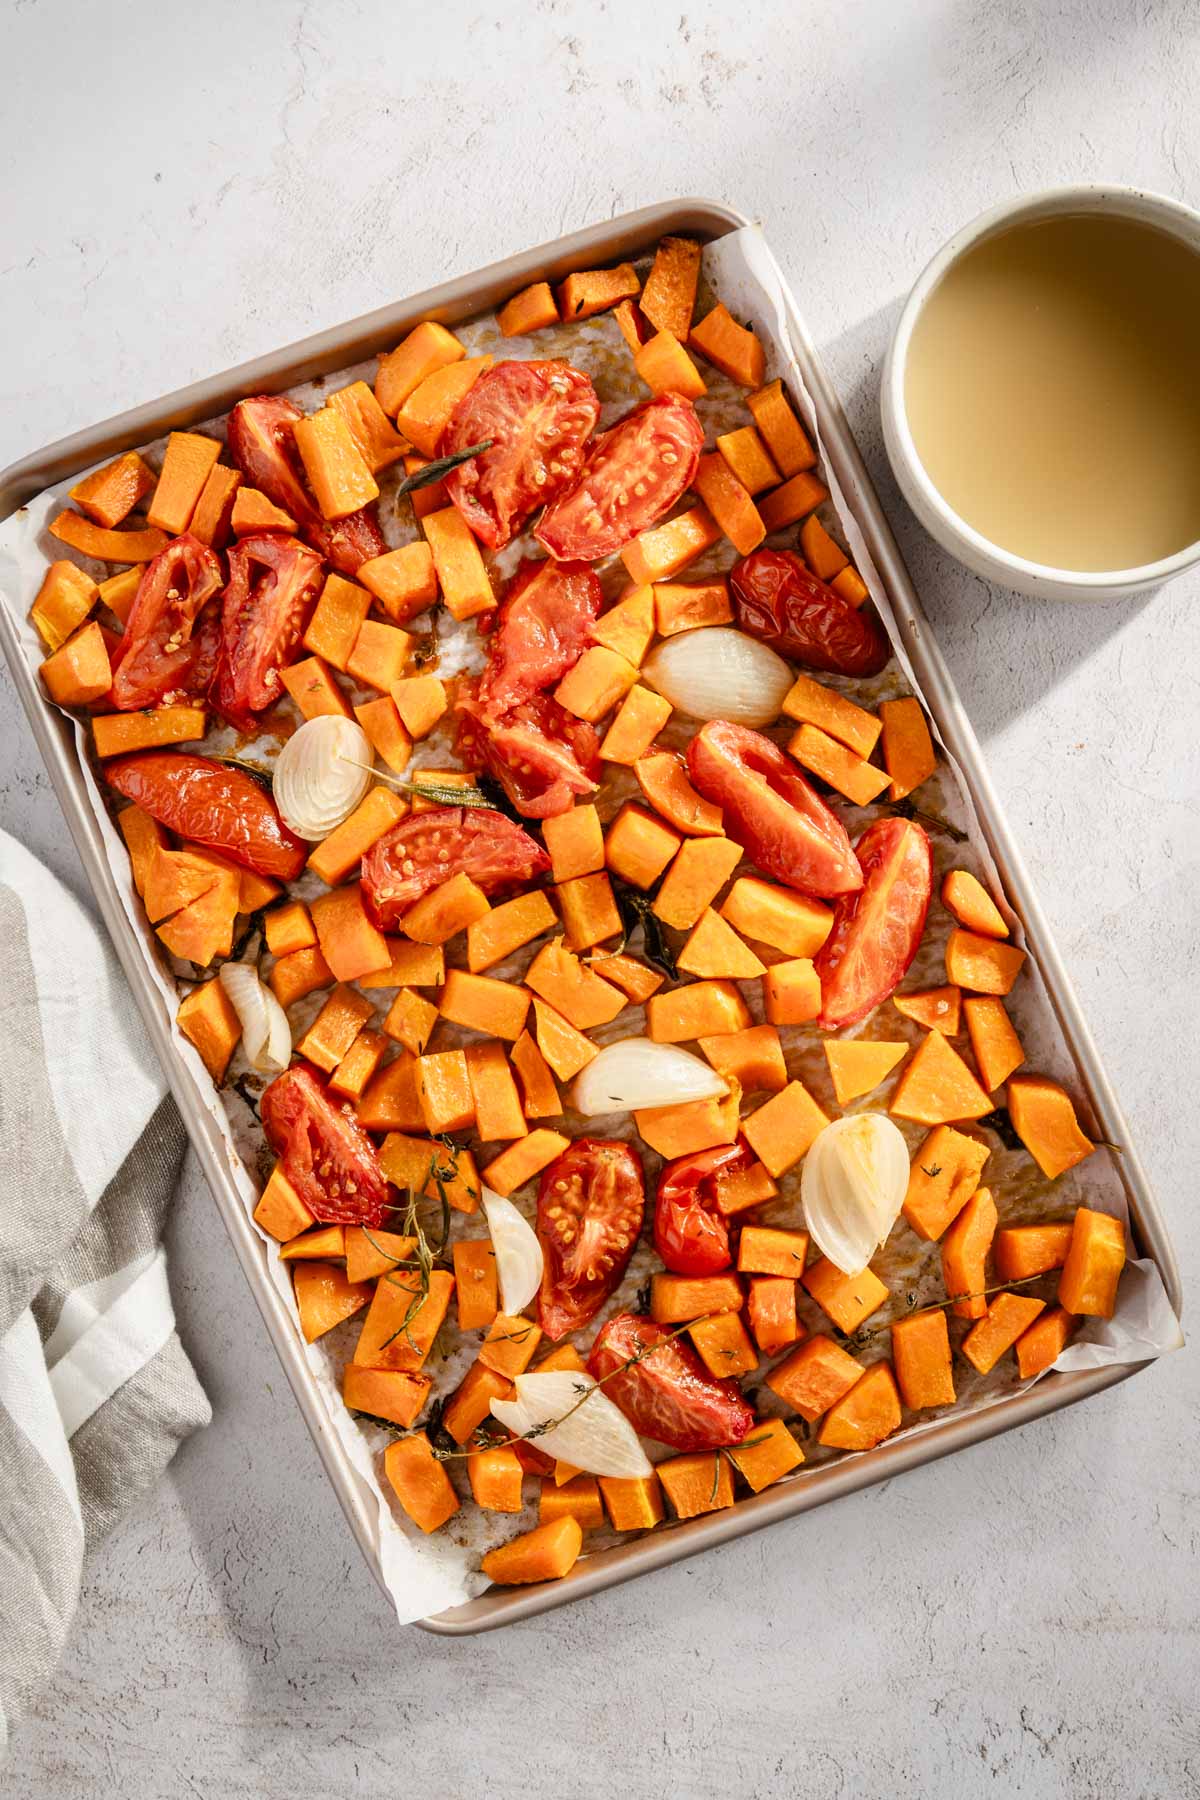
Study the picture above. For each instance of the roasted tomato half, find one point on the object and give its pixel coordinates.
(326, 1154)
(542, 755)
(778, 599)
(634, 473)
(426, 849)
(165, 650)
(539, 416)
(590, 1205)
(542, 628)
(691, 1233)
(876, 932)
(273, 585)
(261, 443)
(209, 803)
(771, 811)
(667, 1394)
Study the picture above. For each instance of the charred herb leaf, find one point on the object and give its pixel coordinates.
(442, 465)
(1002, 1125)
(636, 909)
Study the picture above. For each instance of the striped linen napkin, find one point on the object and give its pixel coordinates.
(96, 1391)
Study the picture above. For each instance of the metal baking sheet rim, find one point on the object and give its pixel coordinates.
(331, 350)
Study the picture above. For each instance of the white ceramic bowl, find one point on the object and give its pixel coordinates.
(951, 530)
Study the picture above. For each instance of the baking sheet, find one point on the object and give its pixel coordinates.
(425, 1575)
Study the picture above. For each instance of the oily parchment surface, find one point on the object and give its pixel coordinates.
(424, 1575)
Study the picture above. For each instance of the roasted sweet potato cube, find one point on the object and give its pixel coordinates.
(771, 1310)
(399, 1330)
(546, 1553)
(324, 1297)
(1042, 1343)
(385, 1394)
(921, 1354)
(578, 1498)
(866, 1415)
(781, 430)
(768, 1250)
(814, 1377)
(531, 310)
(766, 1455)
(633, 1502)
(846, 1299)
(730, 347)
(669, 296)
(998, 1330)
(944, 1174)
(419, 1481)
(1095, 1259)
(495, 1476)
(700, 1482)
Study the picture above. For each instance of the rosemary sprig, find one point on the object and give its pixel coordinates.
(447, 795)
(442, 465)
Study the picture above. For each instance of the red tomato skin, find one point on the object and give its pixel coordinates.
(259, 432)
(781, 822)
(777, 599)
(209, 803)
(326, 1154)
(669, 1395)
(656, 445)
(690, 1233)
(541, 629)
(539, 416)
(168, 608)
(543, 756)
(595, 1192)
(876, 932)
(273, 585)
(404, 864)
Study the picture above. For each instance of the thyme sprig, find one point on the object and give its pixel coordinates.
(426, 1254)
(905, 809)
(859, 1339)
(441, 465)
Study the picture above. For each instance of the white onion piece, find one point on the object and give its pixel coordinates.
(853, 1185)
(266, 1034)
(518, 1253)
(636, 1072)
(321, 774)
(715, 673)
(596, 1435)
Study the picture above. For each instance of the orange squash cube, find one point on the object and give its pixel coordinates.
(390, 1338)
(144, 838)
(595, 290)
(908, 751)
(701, 1009)
(982, 963)
(628, 627)
(791, 992)
(426, 412)
(965, 896)
(483, 1004)
(937, 1009)
(728, 503)
(714, 948)
(349, 942)
(508, 927)
(1043, 1117)
(531, 310)
(498, 1110)
(997, 1049)
(445, 911)
(596, 683)
(208, 1021)
(336, 621)
(635, 980)
(314, 690)
(444, 1092)
(510, 1345)
(348, 843)
(858, 1066)
(575, 843)
(116, 733)
(589, 911)
(781, 430)
(578, 1497)
(385, 733)
(379, 443)
(767, 1250)
(333, 1031)
(539, 1095)
(998, 1330)
(723, 1345)
(335, 467)
(795, 499)
(689, 605)
(633, 1502)
(252, 511)
(471, 1401)
(824, 557)
(771, 1309)
(188, 459)
(385, 1394)
(769, 1453)
(1041, 1344)
(749, 459)
(495, 1477)
(546, 1553)
(109, 494)
(107, 546)
(299, 973)
(404, 581)
(1092, 1270)
(860, 782)
(666, 368)
(866, 1415)
(63, 602)
(421, 701)
(813, 704)
(784, 1127)
(411, 965)
(937, 1087)
(463, 578)
(390, 1101)
(700, 1482)
(359, 1064)
(964, 1255)
(475, 1284)
(324, 1297)
(410, 1020)
(119, 592)
(582, 996)
(563, 1048)
(776, 916)
(1025, 1250)
(419, 1481)
(846, 1299)
(944, 1174)
(524, 1159)
(662, 778)
(663, 550)
(699, 871)
(921, 1355)
(380, 655)
(689, 1127)
(669, 296)
(730, 347)
(640, 717)
(79, 672)
(427, 347)
(814, 1377)
(851, 586)
(639, 846)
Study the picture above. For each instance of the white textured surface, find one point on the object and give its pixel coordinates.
(186, 187)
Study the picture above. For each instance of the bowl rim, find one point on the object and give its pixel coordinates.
(1115, 198)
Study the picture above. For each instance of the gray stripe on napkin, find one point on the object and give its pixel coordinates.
(41, 1554)
(129, 1220)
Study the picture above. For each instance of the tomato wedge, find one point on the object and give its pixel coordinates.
(778, 599)
(690, 1232)
(634, 473)
(589, 1214)
(259, 433)
(542, 627)
(427, 848)
(770, 810)
(209, 803)
(326, 1154)
(667, 1394)
(539, 416)
(876, 933)
(273, 585)
(542, 755)
(163, 651)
